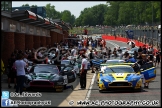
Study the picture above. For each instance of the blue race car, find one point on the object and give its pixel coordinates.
(119, 77)
(97, 62)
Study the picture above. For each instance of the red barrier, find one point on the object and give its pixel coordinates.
(122, 39)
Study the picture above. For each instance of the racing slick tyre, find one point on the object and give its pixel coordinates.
(101, 91)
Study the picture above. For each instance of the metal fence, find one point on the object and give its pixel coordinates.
(149, 36)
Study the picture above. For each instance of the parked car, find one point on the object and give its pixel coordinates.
(128, 72)
(72, 63)
(131, 51)
(44, 76)
(68, 71)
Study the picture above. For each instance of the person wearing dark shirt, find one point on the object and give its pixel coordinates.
(144, 50)
(157, 58)
(140, 49)
(12, 71)
(151, 56)
(91, 56)
(135, 54)
(142, 62)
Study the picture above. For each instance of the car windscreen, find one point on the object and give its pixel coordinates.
(123, 48)
(46, 69)
(134, 49)
(65, 62)
(118, 70)
(115, 61)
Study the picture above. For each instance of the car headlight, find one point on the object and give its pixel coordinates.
(106, 80)
(134, 79)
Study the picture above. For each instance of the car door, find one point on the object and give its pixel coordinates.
(69, 74)
(149, 71)
(76, 68)
(97, 62)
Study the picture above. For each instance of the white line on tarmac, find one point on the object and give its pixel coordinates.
(93, 78)
(117, 41)
(112, 43)
(91, 85)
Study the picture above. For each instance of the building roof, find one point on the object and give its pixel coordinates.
(31, 18)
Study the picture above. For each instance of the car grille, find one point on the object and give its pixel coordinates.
(40, 83)
(126, 84)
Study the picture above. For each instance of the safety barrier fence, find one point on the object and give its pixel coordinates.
(124, 39)
(150, 36)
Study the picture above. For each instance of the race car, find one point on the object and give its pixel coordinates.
(97, 62)
(44, 76)
(69, 72)
(74, 64)
(119, 77)
(148, 71)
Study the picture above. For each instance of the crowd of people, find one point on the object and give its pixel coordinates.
(97, 48)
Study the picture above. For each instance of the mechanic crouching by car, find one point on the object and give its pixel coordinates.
(141, 62)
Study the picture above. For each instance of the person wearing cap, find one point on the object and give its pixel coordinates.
(84, 67)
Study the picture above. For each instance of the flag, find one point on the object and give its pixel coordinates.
(130, 34)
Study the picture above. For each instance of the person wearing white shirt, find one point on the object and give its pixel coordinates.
(84, 67)
(20, 68)
(73, 52)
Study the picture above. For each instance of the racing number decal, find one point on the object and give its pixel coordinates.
(65, 79)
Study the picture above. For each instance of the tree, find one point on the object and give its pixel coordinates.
(25, 5)
(67, 17)
(34, 6)
(51, 13)
(92, 16)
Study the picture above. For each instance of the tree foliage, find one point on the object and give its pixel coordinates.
(25, 5)
(121, 13)
(34, 6)
(112, 13)
(66, 15)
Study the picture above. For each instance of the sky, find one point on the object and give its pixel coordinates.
(75, 7)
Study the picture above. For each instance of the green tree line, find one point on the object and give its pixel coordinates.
(112, 14)
(52, 13)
